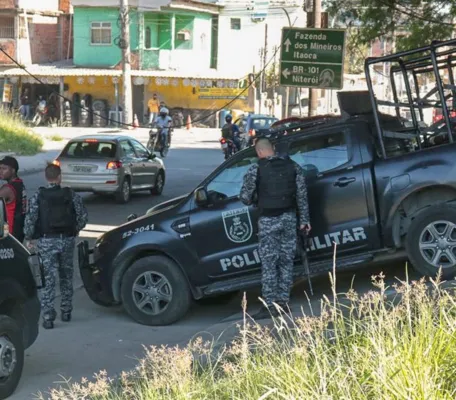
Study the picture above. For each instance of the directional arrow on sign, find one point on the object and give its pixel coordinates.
(287, 45)
(286, 73)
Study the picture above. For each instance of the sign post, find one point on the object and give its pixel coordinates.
(312, 58)
(7, 93)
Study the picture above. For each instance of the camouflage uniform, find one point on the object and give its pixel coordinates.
(277, 238)
(57, 255)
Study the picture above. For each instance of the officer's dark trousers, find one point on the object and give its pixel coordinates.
(57, 256)
(277, 248)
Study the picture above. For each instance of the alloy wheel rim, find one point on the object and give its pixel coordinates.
(437, 244)
(8, 359)
(152, 293)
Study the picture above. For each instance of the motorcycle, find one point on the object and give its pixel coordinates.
(228, 147)
(155, 140)
(41, 113)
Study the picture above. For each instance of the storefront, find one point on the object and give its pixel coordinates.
(100, 91)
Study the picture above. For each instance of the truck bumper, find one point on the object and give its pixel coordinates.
(90, 275)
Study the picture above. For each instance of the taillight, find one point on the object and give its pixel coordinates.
(222, 141)
(252, 132)
(56, 162)
(114, 165)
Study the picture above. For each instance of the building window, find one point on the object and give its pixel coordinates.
(148, 38)
(236, 24)
(6, 27)
(101, 33)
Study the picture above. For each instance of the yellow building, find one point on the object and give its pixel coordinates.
(200, 96)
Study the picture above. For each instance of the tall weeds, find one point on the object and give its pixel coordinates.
(358, 347)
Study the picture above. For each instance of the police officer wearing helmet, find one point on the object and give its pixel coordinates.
(277, 186)
(231, 131)
(14, 194)
(164, 121)
(55, 217)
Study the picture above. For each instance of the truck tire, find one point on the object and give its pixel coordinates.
(154, 291)
(11, 356)
(431, 241)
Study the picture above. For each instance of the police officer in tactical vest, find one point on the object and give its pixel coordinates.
(55, 217)
(277, 186)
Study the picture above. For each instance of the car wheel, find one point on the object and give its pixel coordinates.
(220, 300)
(154, 291)
(431, 241)
(159, 184)
(123, 196)
(11, 356)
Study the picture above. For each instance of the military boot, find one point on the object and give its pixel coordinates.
(48, 324)
(66, 316)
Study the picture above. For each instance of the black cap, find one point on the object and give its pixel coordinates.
(10, 162)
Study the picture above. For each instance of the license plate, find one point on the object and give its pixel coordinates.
(224, 145)
(80, 168)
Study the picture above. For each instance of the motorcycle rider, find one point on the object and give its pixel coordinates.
(231, 132)
(163, 121)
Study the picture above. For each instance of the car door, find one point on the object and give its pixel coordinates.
(337, 198)
(130, 159)
(147, 168)
(224, 234)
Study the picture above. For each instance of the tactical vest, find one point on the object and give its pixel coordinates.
(276, 186)
(56, 212)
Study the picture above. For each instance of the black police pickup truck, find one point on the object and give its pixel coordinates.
(374, 206)
(20, 277)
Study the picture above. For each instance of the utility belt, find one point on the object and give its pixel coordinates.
(56, 235)
(275, 212)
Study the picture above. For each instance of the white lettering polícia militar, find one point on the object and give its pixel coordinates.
(340, 238)
(240, 260)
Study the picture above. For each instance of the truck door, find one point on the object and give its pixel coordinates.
(337, 197)
(224, 234)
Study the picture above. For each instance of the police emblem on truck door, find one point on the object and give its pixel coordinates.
(238, 226)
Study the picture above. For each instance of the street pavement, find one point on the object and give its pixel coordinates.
(101, 338)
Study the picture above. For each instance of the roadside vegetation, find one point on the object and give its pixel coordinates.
(359, 347)
(55, 138)
(16, 137)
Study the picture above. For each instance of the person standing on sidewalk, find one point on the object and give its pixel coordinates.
(153, 106)
(15, 196)
(277, 186)
(55, 217)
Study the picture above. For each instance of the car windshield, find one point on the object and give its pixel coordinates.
(262, 123)
(90, 149)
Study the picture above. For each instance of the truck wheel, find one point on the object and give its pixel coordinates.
(431, 241)
(155, 292)
(11, 356)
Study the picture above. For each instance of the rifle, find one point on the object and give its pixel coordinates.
(305, 261)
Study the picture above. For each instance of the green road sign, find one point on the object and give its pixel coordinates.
(312, 58)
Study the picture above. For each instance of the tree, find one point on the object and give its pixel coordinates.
(413, 23)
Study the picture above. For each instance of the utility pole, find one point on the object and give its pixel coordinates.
(127, 98)
(313, 93)
(265, 56)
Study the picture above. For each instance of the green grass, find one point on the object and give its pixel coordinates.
(16, 137)
(359, 347)
(55, 138)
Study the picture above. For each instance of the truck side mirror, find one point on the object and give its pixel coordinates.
(3, 220)
(201, 197)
